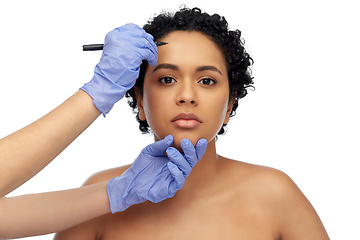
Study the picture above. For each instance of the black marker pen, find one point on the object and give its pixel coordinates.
(95, 47)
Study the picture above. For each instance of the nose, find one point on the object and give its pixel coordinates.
(187, 94)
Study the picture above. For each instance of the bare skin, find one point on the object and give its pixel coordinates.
(25, 152)
(221, 198)
(234, 201)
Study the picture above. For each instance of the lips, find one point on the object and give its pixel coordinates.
(186, 120)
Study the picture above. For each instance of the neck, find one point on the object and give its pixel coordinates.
(203, 176)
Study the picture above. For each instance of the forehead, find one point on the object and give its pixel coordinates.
(190, 49)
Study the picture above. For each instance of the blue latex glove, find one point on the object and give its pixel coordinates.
(124, 49)
(154, 176)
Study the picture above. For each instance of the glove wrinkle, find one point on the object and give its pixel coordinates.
(124, 50)
(152, 177)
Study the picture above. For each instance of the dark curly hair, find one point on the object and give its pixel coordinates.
(216, 28)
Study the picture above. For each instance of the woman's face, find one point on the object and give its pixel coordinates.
(187, 93)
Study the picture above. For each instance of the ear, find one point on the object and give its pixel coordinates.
(139, 101)
(229, 109)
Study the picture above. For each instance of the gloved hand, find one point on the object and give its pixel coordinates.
(154, 176)
(124, 49)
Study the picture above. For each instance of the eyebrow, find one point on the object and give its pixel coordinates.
(208, 68)
(166, 66)
(176, 68)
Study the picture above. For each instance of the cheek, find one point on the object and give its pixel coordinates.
(154, 109)
(219, 110)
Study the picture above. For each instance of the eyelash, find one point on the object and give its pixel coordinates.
(163, 80)
(208, 79)
(166, 78)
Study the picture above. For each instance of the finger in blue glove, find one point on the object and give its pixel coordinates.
(124, 50)
(154, 176)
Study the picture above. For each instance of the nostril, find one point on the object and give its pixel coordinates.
(182, 101)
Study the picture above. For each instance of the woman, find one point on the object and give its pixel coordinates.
(191, 93)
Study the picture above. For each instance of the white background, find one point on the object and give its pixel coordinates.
(303, 117)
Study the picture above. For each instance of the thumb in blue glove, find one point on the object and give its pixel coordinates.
(124, 49)
(154, 176)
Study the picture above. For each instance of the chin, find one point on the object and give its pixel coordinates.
(194, 138)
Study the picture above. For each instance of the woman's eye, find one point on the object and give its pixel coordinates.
(167, 80)
(207, 81)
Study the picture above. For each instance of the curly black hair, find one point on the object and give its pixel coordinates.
(216, 28)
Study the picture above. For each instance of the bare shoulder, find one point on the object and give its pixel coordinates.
(105, 175)
(274, 193)
(265, 179)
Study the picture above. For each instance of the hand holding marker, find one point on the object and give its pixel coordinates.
(113, 78)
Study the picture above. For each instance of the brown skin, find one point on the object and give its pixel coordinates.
(257, 203)
(221, 198)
